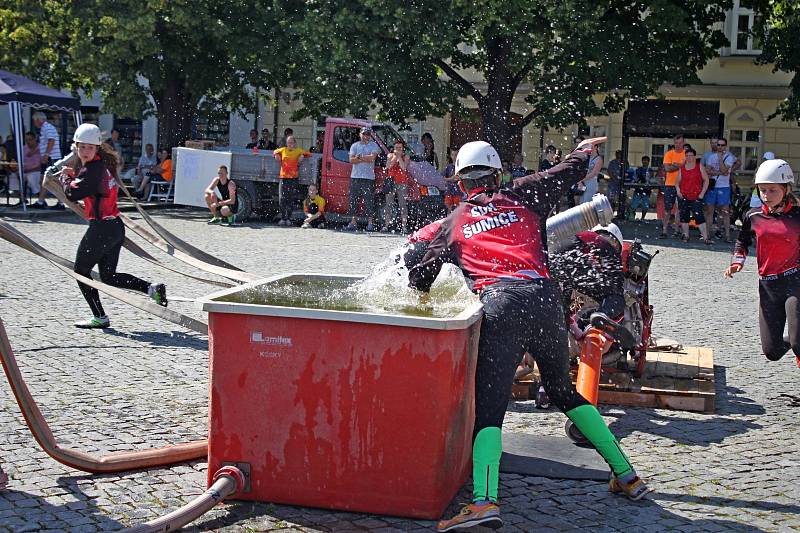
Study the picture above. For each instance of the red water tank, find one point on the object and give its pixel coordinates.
(342, 410)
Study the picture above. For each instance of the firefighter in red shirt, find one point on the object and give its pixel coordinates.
(776, 228)
(94, 181)
(497, 238)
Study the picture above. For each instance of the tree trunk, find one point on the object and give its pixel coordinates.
(176, 110)
(496, 105)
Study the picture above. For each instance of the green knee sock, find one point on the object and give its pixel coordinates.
(486, 452)
(588, 420)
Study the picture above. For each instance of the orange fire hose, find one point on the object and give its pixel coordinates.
(115, 462)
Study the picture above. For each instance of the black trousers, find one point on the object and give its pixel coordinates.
(288, 195)
(779, 303)
(100, 246)
(521, 316)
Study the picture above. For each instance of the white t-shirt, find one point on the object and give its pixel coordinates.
(724, 180)
(145, 161)
(47, 132)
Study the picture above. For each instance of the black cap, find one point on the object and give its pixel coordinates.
(366, 129)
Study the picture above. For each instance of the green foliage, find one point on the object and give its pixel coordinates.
(555, 54)
(144, 56)
(778, 29)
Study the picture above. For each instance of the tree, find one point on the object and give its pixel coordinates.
(170, 58)
(412, 59)
(778, 27)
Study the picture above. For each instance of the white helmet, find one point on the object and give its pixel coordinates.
(87, 133)
(477, 154)
(612, 228)
(774, 171)
(769, 155)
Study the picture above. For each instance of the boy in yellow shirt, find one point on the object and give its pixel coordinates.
(288, 157)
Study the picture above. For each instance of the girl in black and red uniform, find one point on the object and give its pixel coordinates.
(94, 182)
(497, 238)
(776, 229)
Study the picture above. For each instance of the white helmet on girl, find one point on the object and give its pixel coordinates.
(477, 154)
(612, 228)
(774, 171)
(88, 134)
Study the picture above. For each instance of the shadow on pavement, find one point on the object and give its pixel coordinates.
(34, 513)
(172, 339)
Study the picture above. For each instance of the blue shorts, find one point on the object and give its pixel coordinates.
(640, 199)
(720, 196)
(670, 197)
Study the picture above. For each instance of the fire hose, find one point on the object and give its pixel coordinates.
(10, 234)
(227, 481)
(162, 239)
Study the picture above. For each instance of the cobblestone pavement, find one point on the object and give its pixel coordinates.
(144, 383)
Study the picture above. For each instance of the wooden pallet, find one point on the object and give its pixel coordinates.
(682, 380)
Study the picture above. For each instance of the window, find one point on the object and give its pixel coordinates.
(745, 144)
(742, 21)
(213, 127)
(343, 138)
(657, 152)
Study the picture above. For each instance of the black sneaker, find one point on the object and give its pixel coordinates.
(39, 205)
(58, 207)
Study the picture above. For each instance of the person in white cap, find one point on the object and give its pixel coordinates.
(776, 230)
(95, 182)
(755, 200)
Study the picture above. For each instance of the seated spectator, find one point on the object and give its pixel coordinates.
(253, 144)
(641, 195)
(517, 168)
(223, 201)
(147, 161)
(162, 170)
(32, 164)
(314, 209)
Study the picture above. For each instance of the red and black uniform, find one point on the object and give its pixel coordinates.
(499, 242)
(592, 266)
(777, 237)
(102, 242)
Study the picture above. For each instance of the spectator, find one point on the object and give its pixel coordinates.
(362, 178)
(429, 150)
(145, 165)
(395, 186)
(162, 169)
(264, 143)
(641, 195)
(505, 176)
(616, 175)
(117, 146)
(223, 201)
(673, 160)
(453, 195)
(32, 163)
(690, 187)
(719, 188)
(590, 181)
(253, 144)
(288, 132)
(709, 154)
(288, 157)
(755, 199)
(517, 168)
(50, 150)
(549, 158)
(314, 209)
(557, 157)
(575, 189)
(320, 143)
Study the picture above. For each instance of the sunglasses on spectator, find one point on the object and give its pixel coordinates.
(722, 144)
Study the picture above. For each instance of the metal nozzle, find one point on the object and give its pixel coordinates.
(562, 227)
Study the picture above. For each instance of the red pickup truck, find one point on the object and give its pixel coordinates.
(256, 175)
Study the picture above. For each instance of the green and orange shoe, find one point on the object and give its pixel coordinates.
(483, 513)
(635, 489)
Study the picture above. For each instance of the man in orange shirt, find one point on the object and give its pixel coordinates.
(288, 157)
(673, 160)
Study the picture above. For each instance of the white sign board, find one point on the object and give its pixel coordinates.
(194, 170)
